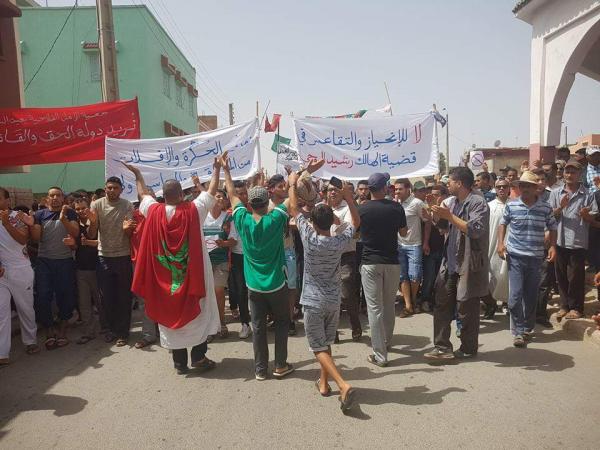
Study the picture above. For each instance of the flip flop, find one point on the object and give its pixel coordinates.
(50, 343)
(62, 342)
(318, 385)
(289, 369)
(347, 403)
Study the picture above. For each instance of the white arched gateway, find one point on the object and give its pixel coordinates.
(565, 41)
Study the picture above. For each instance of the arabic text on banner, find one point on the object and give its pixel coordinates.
(60, 135)
(287, 156)
(182, 157)
(355, 148)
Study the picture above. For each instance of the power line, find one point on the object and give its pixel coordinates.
(160, 42)
(52, 46)
(198, 60)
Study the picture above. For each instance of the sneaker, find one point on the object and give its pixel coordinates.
(489, 312)
(373, 360)
(459, 354)
(519, 342)
(245, 333)
(505, 308)
(261, 376)
(439, 355)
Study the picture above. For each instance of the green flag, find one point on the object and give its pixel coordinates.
(279, 140)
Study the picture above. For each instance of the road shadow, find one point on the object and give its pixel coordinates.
(527, 358)
(410, 396)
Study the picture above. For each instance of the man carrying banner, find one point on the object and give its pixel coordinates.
(173, 272)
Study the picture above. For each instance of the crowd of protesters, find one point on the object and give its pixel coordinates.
(291, 247)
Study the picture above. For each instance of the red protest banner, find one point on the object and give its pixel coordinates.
(57, 135)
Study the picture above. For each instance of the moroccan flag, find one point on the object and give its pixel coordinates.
(169, 269)
(279, 140)
(272, 127)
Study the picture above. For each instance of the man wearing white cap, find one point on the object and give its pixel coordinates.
(526, 217)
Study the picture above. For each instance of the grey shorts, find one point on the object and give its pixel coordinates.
(221, 274)
(320, 326)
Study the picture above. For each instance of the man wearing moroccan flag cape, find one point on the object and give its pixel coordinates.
(173, 272)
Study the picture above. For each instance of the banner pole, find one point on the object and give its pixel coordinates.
(388, 97)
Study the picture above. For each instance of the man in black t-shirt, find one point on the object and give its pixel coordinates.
(381, 221)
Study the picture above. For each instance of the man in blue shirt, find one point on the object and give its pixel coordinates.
(526, 217)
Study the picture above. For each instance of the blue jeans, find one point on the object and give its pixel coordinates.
(410, 258)
(524, 278)
(431, 267)
(54, 280)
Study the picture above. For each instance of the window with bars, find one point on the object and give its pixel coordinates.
(166, 84)
(179, 95)
(94, 62)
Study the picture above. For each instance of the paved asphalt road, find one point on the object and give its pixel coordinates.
(98, 396)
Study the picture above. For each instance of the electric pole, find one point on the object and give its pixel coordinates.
(231, 114)
(447, 145)
(108, 52)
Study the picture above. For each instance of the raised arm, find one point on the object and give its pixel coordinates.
(352, 208)
(214, 181)
(312, 167)
(229, 187)
(140, 184)
(21, 234)
(71, 226)
(293, 196)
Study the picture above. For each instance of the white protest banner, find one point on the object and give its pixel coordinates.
(287, 156)
(181, 157)
(353, 149)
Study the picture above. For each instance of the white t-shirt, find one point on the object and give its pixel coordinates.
(342, 212)
(412, 210)
(233, 234)
(12, 254)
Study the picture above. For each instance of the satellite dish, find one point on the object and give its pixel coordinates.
(497, 143)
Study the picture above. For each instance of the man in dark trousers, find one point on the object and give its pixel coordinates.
(463, 277)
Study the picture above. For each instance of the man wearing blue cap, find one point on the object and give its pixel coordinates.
(381, 219)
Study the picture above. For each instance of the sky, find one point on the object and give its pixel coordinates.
(317, 57)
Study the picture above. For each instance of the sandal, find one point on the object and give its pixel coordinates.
(235, 314)
(318, 385)
(50, 343)
(573, 315)
(561, 313)
(84, 340)
(348, 402)
(121, 342)
(288, 369)
(143, 343)
(32, 349)
(62, 342)
(224, 333)
(356, 335)
(204, 364)
(406, 313)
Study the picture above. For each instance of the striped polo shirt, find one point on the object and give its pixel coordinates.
(526, 226)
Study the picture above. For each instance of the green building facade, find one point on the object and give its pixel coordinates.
(150, 67)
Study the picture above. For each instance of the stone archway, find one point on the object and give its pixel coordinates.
(565, 41)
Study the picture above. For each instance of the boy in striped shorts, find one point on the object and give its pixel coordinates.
(321, 284)
(527, 218)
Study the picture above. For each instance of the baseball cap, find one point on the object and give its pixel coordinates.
(419, 185)
(592, 149)
(258, 196)
(378, 180)
(445, 179)
(574, 163)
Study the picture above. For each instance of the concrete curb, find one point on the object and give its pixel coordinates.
(584, 329)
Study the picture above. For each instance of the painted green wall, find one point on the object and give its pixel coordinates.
(66, 80)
